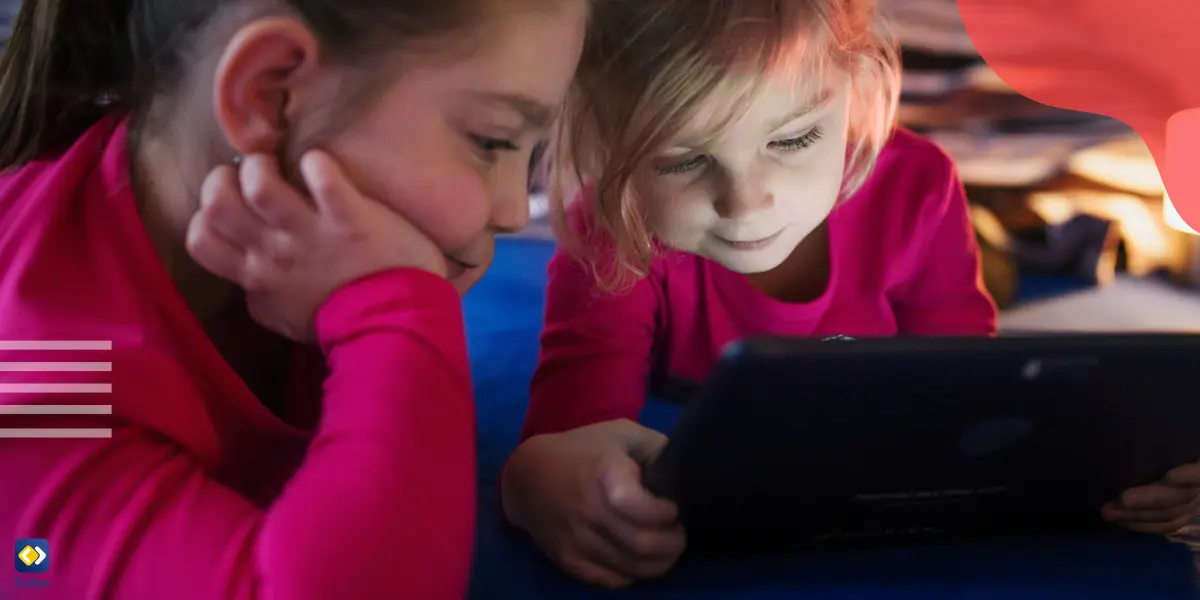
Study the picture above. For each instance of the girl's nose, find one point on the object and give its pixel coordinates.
(510, 210)
(743, 200)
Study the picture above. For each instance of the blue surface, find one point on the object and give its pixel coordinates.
(504, 315)
(1041, 287)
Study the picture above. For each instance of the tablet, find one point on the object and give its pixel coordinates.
(799, 443)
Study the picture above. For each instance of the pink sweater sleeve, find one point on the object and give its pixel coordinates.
(383, 506)
(596, 351)
(946, 295)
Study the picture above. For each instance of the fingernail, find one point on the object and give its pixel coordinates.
(619, 492)
(308, 162)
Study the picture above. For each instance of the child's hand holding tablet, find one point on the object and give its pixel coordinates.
(580, 495)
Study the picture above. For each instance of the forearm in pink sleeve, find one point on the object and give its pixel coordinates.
(596, 351)
(382, 507)
(947, 296)
(388, 488)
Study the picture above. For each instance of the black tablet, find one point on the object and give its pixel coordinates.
(797, 443)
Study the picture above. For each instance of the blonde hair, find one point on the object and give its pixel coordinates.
(646, 69)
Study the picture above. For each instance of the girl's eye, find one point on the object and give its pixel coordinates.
(798, 143)
(490, 145)
(690, 164)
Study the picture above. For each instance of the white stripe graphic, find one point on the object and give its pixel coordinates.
(51, 409)
(55, 388)
(55, 367)
(56, 345)
(36, 434)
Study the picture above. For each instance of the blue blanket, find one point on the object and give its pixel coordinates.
(504, 315)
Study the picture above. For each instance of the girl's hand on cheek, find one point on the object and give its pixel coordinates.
(289, 253)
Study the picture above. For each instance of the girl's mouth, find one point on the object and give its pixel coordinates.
(465, 265)
(750, 244)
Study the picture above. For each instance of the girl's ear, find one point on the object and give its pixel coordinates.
(263, 64)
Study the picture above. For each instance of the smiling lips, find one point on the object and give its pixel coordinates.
(750, 245)
(457, 267)
(465, 265)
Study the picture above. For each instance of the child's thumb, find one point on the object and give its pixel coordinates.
(624, 492)
(642, 443)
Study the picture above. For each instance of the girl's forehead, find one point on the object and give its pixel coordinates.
(763, 104)
(532, 53)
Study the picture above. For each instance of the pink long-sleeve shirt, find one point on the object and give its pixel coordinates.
(903, 260)
(201, 492)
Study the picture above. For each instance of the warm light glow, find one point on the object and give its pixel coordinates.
(1124, 163)
(1143, 230)
(1171, 216)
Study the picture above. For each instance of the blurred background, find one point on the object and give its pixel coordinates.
(1068, 207)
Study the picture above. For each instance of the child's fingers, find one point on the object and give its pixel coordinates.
(1165, 527)
(653, 549)
(212, 251)
(1157, 497)
(589, 565)
(271, 197)
(1185, 476)
(332, 193)
(599, 550)
(1167, 515)
(642, 443)
(1116, 513)
(623, 492)
(1154, 528)
(617, 555)
(223, 209)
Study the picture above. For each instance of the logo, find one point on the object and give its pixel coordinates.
(32, 555)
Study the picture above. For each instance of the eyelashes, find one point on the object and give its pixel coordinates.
(489, 149)
(804, 140)
(795, 144)
(683, 167)
(488, 144)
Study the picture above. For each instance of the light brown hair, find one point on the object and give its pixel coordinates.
(647, 68)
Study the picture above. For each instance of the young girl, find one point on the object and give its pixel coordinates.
(742, 178)
(199, 467)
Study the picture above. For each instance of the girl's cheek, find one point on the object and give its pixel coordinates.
(454, 209)
(434, 186)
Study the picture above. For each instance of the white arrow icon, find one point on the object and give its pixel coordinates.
(41, 555)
